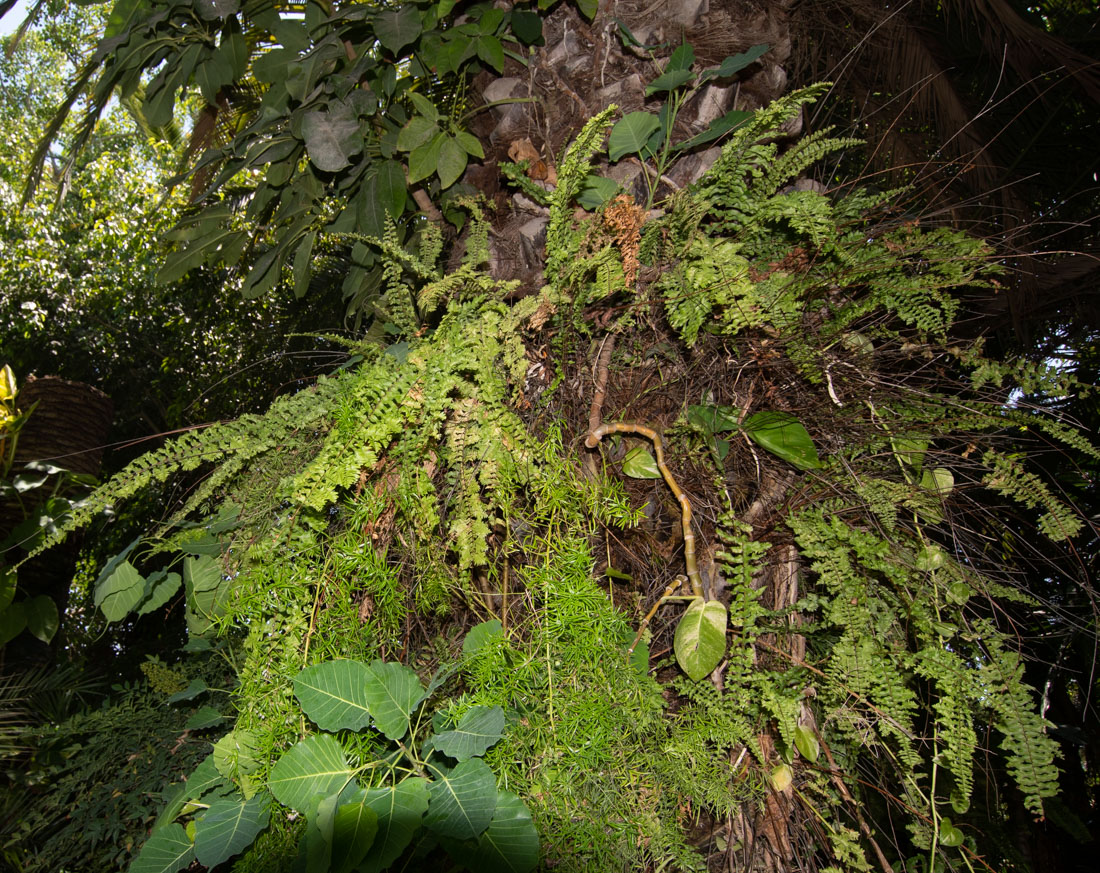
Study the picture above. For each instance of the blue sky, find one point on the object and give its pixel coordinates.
(14, 18)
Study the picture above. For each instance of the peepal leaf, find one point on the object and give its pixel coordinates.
(392, 692)
(120, 592)
(166, 851)
(463, 801)
(509, 845)
(334, 694)
(400, 810)
(700, 640)
(229, 827)
(315, 767)
(476, 731)
(784, 436)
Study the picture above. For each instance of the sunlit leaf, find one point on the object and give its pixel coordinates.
(700, 640)
(120, 592)
(334, 694)
(806, 743)
(392, 692)
(640, 464)
(313, 768)
(781, 777)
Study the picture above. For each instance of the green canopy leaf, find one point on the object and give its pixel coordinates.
(806, 743)
(334, 694)
(463, 801)
(166, 851)
(734, 63)
(478, 729)
(784, 436)
(332, 136)
(452, 161)
(228, 828)
(315, 767)
(700, 640)
(392, 692)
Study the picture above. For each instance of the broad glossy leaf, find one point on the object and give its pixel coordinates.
(950, 835)
(806, 743)
(784, 436)
(392, 693)
(42, 618)
(463, 801)
(452, 162)
(167, 850)
(587, 7)
(735, 63)
(910, 450)
(194, 688)
(235, 754)
(640, 464)
(400, 812)
(478, 729)
(334, 694)
(631, 133)
(264, 273)
(509, 845)
(700, 640)
(206, 780)
(301, 269)
(315, 767)
(332, 136)
(717, 128)
(527, 26)
(396, 28)
(228, 828)
(683, 58)
(470, 144)
(120, 592)
(354, 828)
(12, 621)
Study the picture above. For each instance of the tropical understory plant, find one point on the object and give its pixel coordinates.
(431, 595)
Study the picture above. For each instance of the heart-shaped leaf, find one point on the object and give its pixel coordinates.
(334, 694)
(332, 136)
(228, 828)
(509, 845)
(42, 618)
(463, 801)
(478, 729)
(700, 640)
(392, 693)
(353, 831)
(631, 133)
(313, 768)
(396, 28)
(167, 850)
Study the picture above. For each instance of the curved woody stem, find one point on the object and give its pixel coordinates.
(594, 436)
